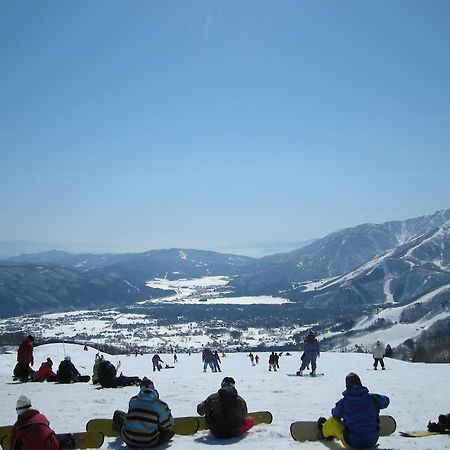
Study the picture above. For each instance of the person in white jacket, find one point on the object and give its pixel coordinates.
(378, 355)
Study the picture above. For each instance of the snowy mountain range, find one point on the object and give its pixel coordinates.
(352, 283)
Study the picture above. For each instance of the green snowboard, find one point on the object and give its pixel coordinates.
(85, 439)
(183, 426)
(258, 417)
(308, 430)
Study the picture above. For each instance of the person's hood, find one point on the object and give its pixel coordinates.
(355, 391)
(227, 391)
(26, 416)
(148, 394)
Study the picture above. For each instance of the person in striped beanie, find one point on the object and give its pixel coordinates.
(148, 422)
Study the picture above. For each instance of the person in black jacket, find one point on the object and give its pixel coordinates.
(107, 376)
(67, 372)
(226, 412)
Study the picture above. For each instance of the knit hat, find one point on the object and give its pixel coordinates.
(50, 361)
(147, 386)
(228, 382)
(31, 338)
(67, 358)
(352, 380)
(23, 404)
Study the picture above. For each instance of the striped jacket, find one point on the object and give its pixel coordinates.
(147, 416)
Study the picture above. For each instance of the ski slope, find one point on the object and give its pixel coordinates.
(418, 393)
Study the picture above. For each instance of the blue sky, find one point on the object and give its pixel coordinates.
(135, 125)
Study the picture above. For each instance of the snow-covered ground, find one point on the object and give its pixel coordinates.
(418, 392)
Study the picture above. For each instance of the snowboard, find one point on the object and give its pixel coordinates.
(5, 431)
(424, 433)
(259, 417)
(85, 439)
(305, 375)
(305, 430)
(183, 426)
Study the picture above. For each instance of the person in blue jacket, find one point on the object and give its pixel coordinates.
(311, 349)
(148, 422)
(355, 418)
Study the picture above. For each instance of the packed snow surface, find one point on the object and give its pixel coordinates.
(418, 392)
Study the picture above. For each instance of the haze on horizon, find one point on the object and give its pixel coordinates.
(132, 126)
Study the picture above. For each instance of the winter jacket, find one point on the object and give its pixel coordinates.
(378, 352)
(44, 371)
(25, 352)
(147, 417)
(67, 372)
(106, 374)
(360, 412)
(224, 411)
(207, 356)
(32, 432)
(311, 346)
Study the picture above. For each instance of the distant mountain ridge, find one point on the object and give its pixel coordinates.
(395, 274)
(334, 255)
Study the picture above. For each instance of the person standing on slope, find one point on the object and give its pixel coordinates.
(216, 362)
(156, 362)
(378, 355)
(25, 358)
(273, 359)
(32, 430)
(311, 349)
(226, 412)
(149, 421)
(355, 418)
(208, 359)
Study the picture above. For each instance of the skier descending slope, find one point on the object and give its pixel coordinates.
(355, 418)
(311, 349)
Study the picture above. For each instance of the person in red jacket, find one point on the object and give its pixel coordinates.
(25, 358)
(45, 372)
(32, 430)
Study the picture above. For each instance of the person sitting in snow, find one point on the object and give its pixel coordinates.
(107, 376)
(32, 431)
(442, 425)
(355, 418)
(67, 372)
(45, 372)
(149, 421)
(226, 412)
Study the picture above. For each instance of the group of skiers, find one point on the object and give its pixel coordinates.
(211, 359)
(149, 422)
(66, 373)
